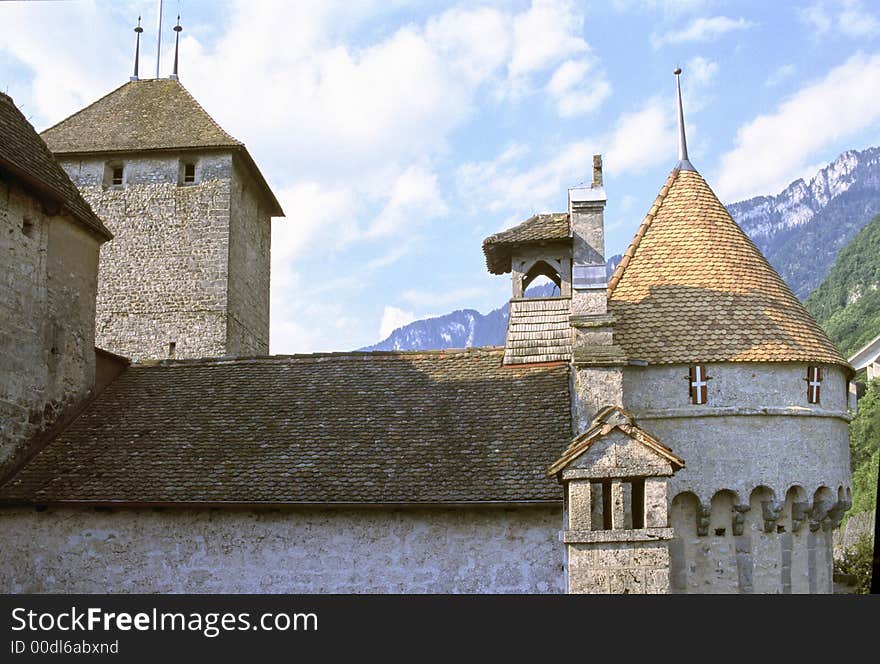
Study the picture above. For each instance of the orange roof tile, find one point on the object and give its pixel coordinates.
(692, 287)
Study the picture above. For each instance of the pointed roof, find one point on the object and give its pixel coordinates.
(692, 287)
(607, 420)
(153, 114)
(537, 228)
(24, 155)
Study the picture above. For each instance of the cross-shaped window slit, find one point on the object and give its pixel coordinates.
(814, 384)
(698, 382)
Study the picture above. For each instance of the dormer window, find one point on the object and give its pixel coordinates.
(814, 384)
(187, 172)
(698, 381)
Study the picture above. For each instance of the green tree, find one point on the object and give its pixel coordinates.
(864, 433)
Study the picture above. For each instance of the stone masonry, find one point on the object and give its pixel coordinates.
(187, 273)
(47, 302)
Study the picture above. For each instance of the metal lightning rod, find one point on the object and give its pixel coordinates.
(159, 39)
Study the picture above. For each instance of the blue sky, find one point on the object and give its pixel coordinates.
(397, 135)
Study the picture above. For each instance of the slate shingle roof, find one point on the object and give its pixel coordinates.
(153, 114)
(423, 428)
(24, 154)
(538, 228)
(692, 287)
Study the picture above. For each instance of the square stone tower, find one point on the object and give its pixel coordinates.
(187, 273)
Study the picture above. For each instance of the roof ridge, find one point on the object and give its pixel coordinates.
(640, 233)
(354, 354)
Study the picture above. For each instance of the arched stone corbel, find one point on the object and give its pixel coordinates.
(800, 511)
(703, 516)
(835, 514)
(739, 518)
(819, 513)
(771, 511)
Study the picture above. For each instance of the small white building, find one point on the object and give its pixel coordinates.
(868, 358)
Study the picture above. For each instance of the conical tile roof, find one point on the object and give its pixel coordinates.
(692, 287)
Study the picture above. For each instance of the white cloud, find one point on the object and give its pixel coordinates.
(848, 17)
(543, 35)
(702, 29)
(393, 318)
(780, 74)
(701, 71)
(578, 88)
(775, 148)
(644, 138)
(425, 300)
(413, 199)
(856, 21)
(640, 140)
(667, 6)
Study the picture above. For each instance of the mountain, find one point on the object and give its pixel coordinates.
(847, 303)
(464, 328)
(801, 229)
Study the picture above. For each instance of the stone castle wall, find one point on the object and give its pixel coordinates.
(249, 252)
(47, 310)
(298, 551)
(164, 278)
(766, 479)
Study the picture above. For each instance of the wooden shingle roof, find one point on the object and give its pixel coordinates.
(440, 427)
(692, 287)
(25, 156)
(152, 114)
(535, 229)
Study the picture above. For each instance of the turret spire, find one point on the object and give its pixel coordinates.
(683, 163)
(137, 49)
(177, 30)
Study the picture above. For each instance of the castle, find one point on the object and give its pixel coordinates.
(679, 428)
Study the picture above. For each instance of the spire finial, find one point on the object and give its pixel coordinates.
(177, 30)
(137, 49)
(683, 163)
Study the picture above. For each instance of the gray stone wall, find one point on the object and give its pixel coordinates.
(619, 568)
(767, 474)
(189, 262)
(299, 551)
(47, 308)
(757, 428)
(249, 264)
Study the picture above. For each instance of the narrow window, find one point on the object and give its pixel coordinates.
(27, 227)
(698, 383)
(606, 505)
(116, 180)
(189, 173)
(638, 503)
(814, 384)
(172, 347)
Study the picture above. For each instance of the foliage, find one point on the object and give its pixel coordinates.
(864, 437)
(857, 562)
(847, 303)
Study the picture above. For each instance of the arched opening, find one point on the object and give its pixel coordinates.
(542, 280)
(684, 514)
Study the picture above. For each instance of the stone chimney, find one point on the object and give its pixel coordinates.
(586, 207)
(597, 361)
